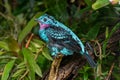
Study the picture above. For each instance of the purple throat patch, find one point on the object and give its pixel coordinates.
(43, 26)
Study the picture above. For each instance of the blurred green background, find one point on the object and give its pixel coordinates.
(96, 21)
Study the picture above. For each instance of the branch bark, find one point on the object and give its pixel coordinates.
(54, 68)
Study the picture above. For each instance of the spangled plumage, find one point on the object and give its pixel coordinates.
(61, 39)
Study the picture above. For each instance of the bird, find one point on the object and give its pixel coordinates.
(60, 39)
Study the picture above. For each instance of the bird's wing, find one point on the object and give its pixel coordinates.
(62, 37)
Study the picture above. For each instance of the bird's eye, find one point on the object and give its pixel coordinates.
(45, 19)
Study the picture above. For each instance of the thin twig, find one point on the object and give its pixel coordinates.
(28, 42)
(99, 66)
(6, 17)
(24, 74)
(100, 49)
(110, 72)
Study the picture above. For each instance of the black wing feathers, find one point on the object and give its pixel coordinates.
(62, 37)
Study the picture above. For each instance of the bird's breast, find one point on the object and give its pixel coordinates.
(43, 35)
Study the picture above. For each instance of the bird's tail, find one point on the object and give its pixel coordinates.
(90, 60)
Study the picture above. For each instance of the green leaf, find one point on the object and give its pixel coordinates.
(26, 78)
(85, 76)
(7, 57)
(117, 26)
(4, 45)
(107, 32)
(32, 46)
(88, 2)
(35, 45)
(46, 54)
(12, 44)
(43, 62)
(21, 65)
(100, 3)
(32, 63)
(7, 70)
(40, 42)
(38, 70)
(92, 34)
(19, 72)
(1, 52)
(31, 74)
(28, 27)
(86, 68)
(7, 7)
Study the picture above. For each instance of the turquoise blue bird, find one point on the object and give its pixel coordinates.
(60, 39)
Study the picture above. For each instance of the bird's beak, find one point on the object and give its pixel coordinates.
(36, 20)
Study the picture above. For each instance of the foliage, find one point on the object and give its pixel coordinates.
(87, 18)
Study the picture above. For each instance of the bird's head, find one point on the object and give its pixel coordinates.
(46, 21)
